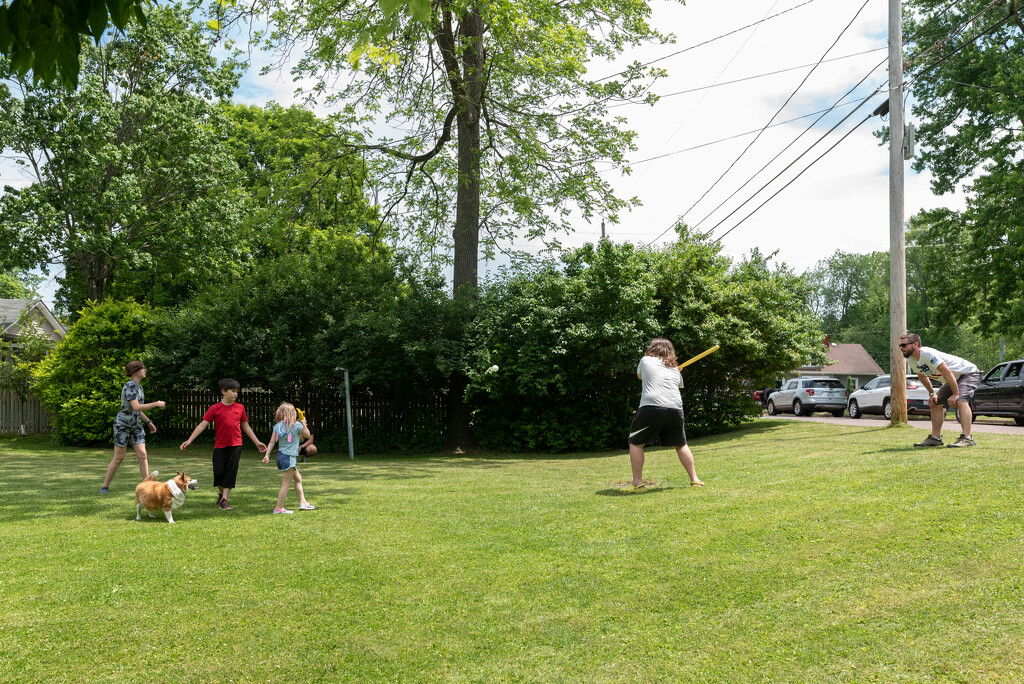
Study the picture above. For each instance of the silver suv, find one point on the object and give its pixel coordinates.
(804, 396)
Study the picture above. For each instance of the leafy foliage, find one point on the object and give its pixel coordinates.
(298, 318)
(300, 177)
(567, 340)
(44, 36)
(971, 115)
(18, 358)
(129, 170)
(19, 284)
(858, 284)
(80, 382)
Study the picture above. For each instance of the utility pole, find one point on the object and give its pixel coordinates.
(602, 229)
(897, 241)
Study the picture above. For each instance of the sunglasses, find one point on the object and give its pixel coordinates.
(906, 344)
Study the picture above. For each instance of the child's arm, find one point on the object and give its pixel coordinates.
(195, 433)
(136, 406)
(306, 434)
(260, 446)
(270, 446)
(145, 419)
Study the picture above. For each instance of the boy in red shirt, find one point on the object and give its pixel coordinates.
(229, 422)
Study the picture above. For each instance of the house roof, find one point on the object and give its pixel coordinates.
(849, 359)
(10, 311)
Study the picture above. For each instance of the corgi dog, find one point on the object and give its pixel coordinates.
(162, 496)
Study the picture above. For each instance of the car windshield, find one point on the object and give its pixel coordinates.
(827, 384)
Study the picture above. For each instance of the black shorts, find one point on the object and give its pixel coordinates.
(652, 421)
(225, 466)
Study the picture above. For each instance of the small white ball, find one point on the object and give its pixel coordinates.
(492, 369)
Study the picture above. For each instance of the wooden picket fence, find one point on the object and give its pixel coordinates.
(379, 422)
(17, 416)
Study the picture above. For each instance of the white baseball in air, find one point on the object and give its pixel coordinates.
(492, 369)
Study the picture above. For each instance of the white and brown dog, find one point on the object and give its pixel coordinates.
(162, 496)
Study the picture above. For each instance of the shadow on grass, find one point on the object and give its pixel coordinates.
(615, 491)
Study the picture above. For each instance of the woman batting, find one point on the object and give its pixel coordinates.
(660, 411)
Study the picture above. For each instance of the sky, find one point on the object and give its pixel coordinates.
(841, 203)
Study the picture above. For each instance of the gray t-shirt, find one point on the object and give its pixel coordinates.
(930, 360)
(660, 383)
(127, 416)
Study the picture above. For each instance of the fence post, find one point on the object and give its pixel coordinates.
(348, 416)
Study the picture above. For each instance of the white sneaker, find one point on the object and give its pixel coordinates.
(282, 510)
(307, 507)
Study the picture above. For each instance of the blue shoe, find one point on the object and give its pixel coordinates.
(104, 490)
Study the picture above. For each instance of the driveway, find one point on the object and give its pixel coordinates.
(981, 425)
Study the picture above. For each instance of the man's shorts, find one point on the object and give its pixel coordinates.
(652, 421)
(125, 436)
(967, 383)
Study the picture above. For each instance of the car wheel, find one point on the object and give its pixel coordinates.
(838, 413)
(855, 409)
(887, 409)
(771, 408)
(798, 408)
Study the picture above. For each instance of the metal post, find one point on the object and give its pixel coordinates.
(348, 419)
(897, 243)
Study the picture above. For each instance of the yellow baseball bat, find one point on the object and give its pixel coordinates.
(698, 357)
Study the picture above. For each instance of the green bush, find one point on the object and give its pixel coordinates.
(567, 340)
(80, 382)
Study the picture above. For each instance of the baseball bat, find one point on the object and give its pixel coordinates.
(698, 357)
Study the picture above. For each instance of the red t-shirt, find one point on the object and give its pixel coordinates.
(227, 422)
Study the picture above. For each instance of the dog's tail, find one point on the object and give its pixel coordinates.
(151, 476)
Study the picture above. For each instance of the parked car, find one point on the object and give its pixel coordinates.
(761, 395)
(874, 397)
(1001, 392)
(804, 396)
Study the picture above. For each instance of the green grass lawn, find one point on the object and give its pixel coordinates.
(816, 553)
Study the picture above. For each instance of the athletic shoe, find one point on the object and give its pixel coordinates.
(224, 506)
(282, 510)
(217, 503)
(929, 441)
(962, 441)
(104, 490)
(307, 507)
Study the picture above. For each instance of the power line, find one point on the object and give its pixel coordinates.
(779, 111)
(932, 19)
(719, 238)
(795, 140)
(748, 78)
(683, 121)
(710, 40)
(731, 137)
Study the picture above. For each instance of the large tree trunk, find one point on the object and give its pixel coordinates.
(466, 234)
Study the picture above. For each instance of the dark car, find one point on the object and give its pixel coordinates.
(1001, 392)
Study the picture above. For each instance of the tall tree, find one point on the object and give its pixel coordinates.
(300, 179)
(480, 117)
(967, 78)
(19, 284)
(129, 171)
